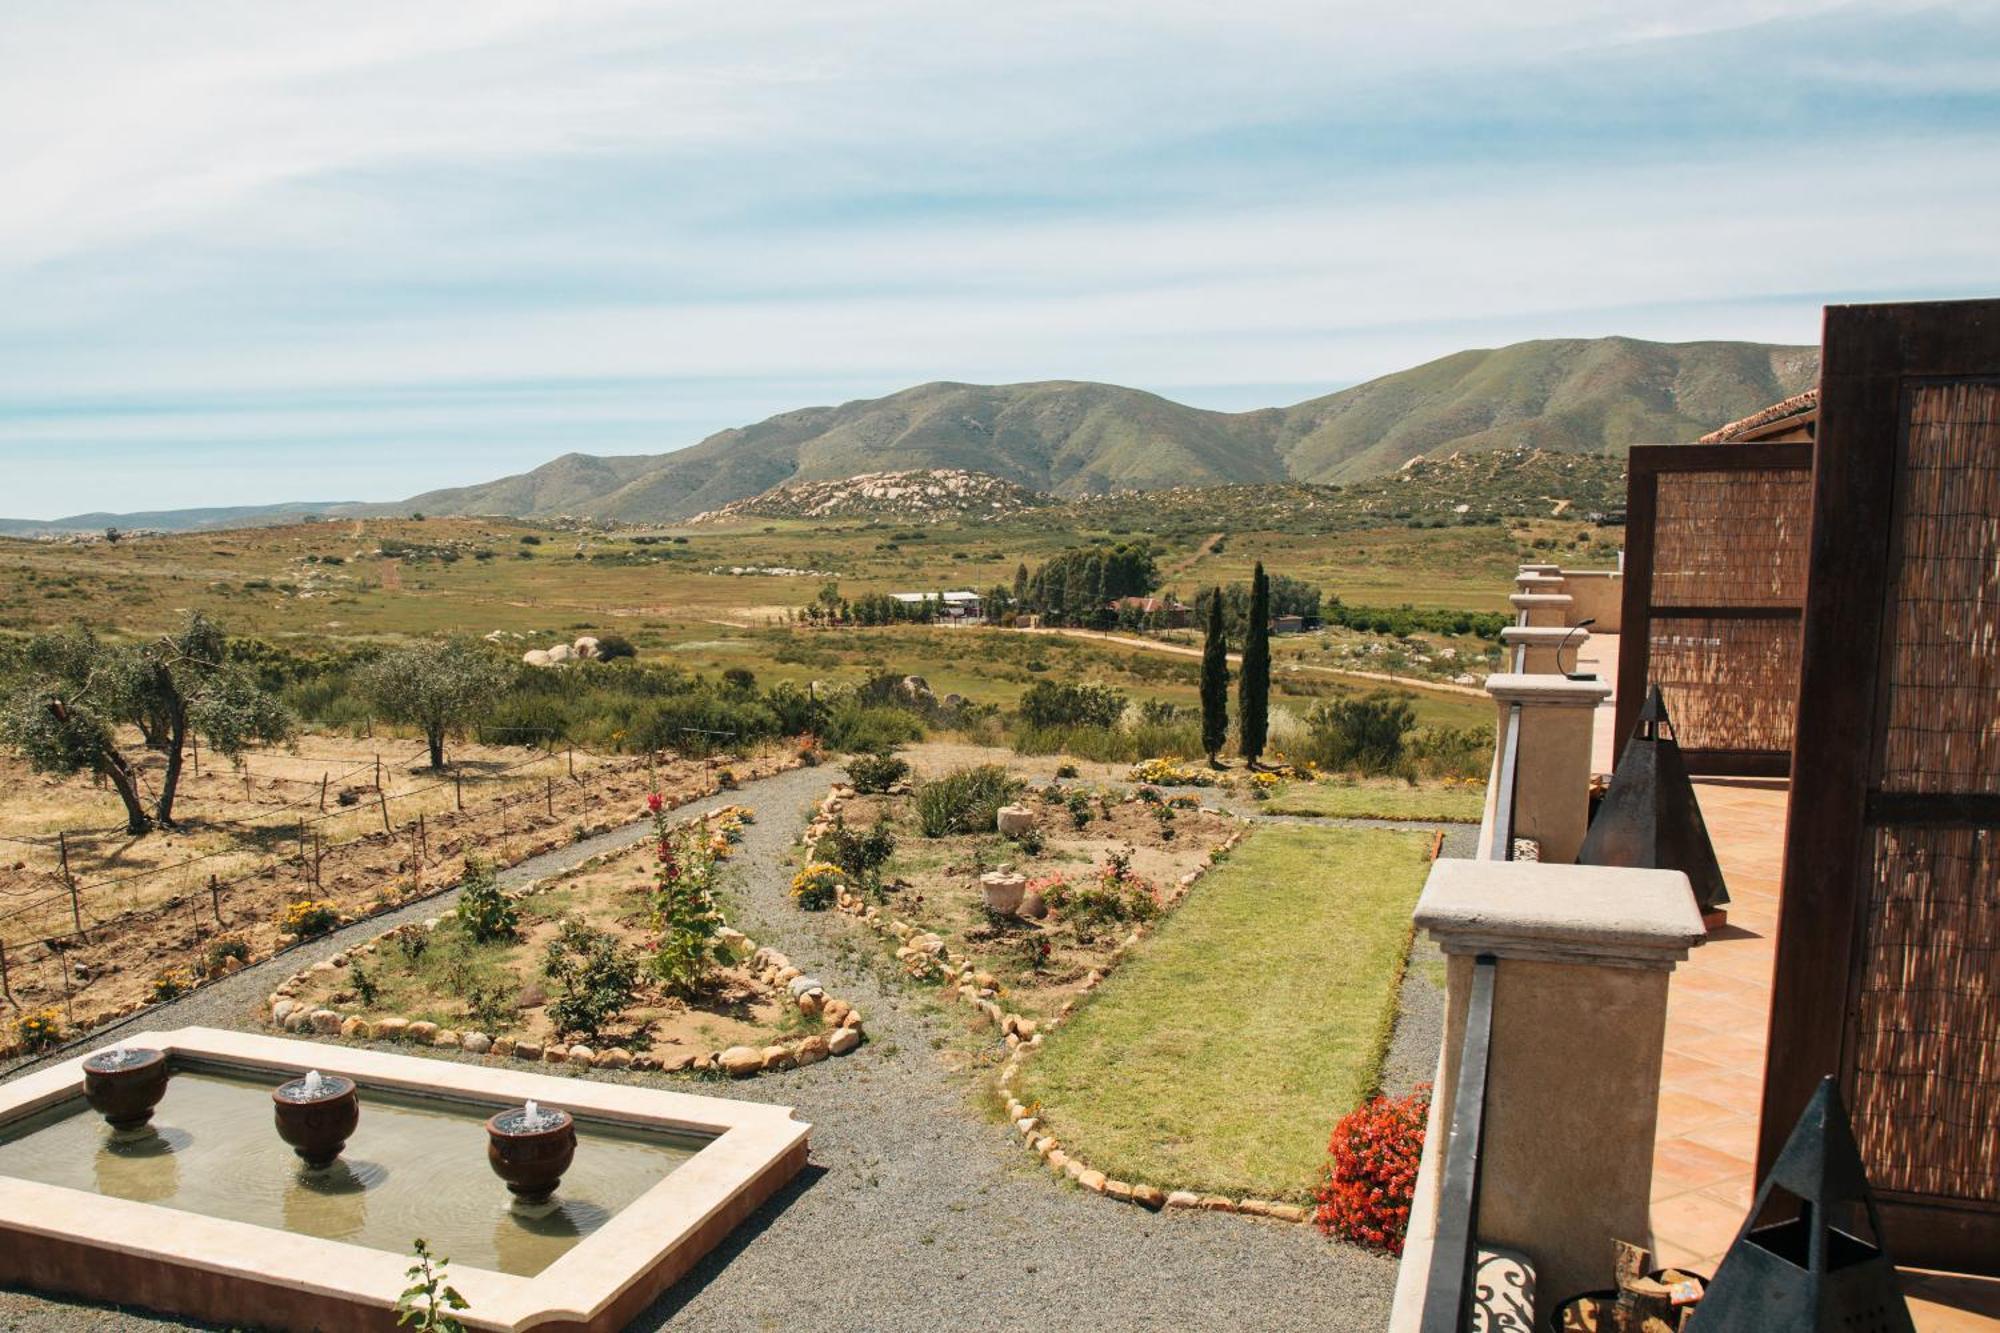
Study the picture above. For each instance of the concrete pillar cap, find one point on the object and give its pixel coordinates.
(1596, 916)
(1543, 689)
(1541, 569)
(1543, 635)
(1524, 601)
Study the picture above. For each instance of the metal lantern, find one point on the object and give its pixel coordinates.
(1650, 819)
(1814, 1270)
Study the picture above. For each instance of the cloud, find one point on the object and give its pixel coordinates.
(284, 232)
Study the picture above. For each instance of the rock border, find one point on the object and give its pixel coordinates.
(925, 956)
(804, 992)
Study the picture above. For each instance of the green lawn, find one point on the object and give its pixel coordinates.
(1380, 798)
(1220, 1054)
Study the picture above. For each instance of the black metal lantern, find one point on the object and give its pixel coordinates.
(1649, 818)
(1817, 1269)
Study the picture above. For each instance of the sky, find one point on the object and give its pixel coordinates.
(267, 251)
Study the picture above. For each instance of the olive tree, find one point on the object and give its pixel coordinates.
(77, 690)
(438, 687)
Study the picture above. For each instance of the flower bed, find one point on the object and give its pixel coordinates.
(585, 969)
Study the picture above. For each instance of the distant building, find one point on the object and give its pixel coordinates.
(960, 607)
(1164, 612)
(1288, 624)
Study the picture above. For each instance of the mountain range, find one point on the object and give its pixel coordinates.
(1074, 438)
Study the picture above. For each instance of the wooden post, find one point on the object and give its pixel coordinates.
(549, 791)
(458, 788)
(382, 799)
(572, 763)
(75, 903)
(69, 1009)
(322, 793)
(6, 987)
(215, 899)
(423, 840)
(378, 772)
(194, 752)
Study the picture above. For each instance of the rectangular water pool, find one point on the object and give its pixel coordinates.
(415, 1167)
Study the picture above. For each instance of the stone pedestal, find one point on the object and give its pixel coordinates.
(1002, 891)
(1551, 787)
(1014, 820)
(1573, 1073)
(1541, 608)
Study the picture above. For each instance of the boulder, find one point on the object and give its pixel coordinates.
(420, 1033)
(1094, 1181)
(1288, 1212)
(801, 984)
(843, 1040)
(615, 1058)
(813, 1050)
(1149, 1196)
(536, 657)
(475, 1043)
(1033, 905)
(391, 1029)
(445, 1037)
(810, 1002)
(354, 1027)
(742, 1061)
(582, 1056)
(503, 1046)
(528, 1050)
(585, 647)
(734, 943)
(779, 1057)
(561, 653)
(1183, 1199)
(555, 1054)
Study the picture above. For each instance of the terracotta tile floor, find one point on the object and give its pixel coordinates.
(1718, 1009)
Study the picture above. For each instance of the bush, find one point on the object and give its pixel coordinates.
(861, 855)
(876, 773)
(1452, 752)
(171, 983)
(595, 975)
(813, 887)
(304, 920)
(966, 800)
(223, 948)
(40, 1030)
(485, 910)
(688, 948)
(1048, 703)
(1371, 1173)
(1365, 734)
(611, 647)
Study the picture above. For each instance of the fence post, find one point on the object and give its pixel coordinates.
(382, 799)
(322, 793)
(458, 788)
(549, 793)
(6, 987)
(194, 751)
(215, 900)
(572, 763)
(75, 905)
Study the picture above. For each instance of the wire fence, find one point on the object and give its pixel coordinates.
(180, 917)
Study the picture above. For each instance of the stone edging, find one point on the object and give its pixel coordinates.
(772, 968)
(925, 954)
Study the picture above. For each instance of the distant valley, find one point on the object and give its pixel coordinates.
(1073, 439)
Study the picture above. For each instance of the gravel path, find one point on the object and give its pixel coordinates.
(920, 1210)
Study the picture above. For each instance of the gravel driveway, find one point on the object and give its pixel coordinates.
(919, 1210)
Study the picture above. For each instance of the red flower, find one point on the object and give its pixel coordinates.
(1372, 1175)
(653, 802)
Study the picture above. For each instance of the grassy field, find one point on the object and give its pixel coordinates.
(1220, 1054)
(1381, 798)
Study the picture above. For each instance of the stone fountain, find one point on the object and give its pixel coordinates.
(530, 1147)
(316, 1115)
(124, 1084)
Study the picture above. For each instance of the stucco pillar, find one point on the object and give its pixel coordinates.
(1573, 1070)
(1536, 581)
(1551, 780)
(1543, 649)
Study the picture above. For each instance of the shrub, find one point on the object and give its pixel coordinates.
(485, 910)
(594, 974)
(861, 855)
(611, 647)
(1167, 773)
(873, 729)
(171, 983)
(1067, 769)
(40, 1030)
(223, 948)
(1048, 703)
(813, 887)
(875, 773)
(966, 800)
(1452, 752)
(306, 919)
(688, 949)
(1371, 1171)
(1366, 734)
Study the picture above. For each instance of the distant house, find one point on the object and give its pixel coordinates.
(1288, 624)
(1794, 419)
(1163, 612)
(959, 607)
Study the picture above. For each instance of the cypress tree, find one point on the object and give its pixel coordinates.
(1253, 698)
(1214, 683)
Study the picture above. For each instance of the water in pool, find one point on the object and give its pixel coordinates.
(415, 1167)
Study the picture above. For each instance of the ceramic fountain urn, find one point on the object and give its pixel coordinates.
(316, 1115)
(529, 1148)
(124, 1085)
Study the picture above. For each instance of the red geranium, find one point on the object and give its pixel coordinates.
(654, 802)
(1372, 1172)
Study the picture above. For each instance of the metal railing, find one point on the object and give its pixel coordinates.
(1502, 846)
(1450, 1288)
